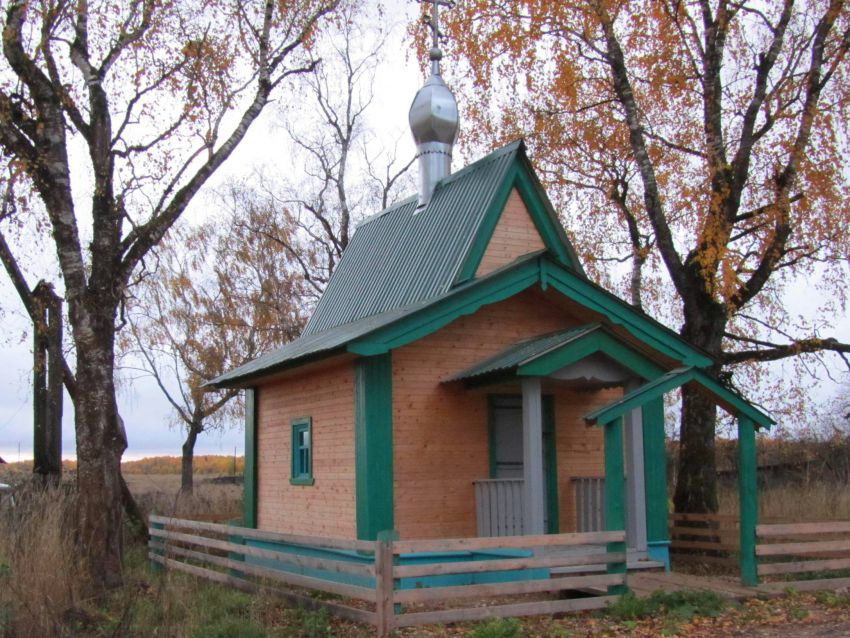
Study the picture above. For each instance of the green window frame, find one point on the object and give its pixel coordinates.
(302, 451)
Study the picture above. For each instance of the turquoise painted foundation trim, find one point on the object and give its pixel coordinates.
(373, 445)
(660, 551)
(446, 580)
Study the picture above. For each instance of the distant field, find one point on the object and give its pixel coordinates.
(140, 484)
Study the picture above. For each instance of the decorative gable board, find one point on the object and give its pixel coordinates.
(515, 235)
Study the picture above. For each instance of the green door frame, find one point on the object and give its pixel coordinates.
(550, 449)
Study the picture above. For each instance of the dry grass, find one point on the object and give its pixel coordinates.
(41, 580)
(795, 504)
(160, 494)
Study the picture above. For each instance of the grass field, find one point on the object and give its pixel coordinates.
(42, 586)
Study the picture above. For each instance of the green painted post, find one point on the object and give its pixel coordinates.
(249, 488)
(238, 556)
(615, 495)
(748, 495)
(655, 474)
(373, 445)
(157, 567)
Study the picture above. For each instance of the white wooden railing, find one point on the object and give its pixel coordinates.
(498, 507)
(590, 503)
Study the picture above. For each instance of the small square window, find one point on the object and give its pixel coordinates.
(302, 452)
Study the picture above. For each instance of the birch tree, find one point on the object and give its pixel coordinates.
(219, 297)
(704, 140)
(343, 173)
(114, 115)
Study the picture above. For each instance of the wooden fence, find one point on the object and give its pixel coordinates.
(380, 585)
(801, 548)
(708, 538)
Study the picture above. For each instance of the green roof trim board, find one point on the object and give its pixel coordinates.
(549, 274)
(522, 177)
(545, 354)
(725, 397)
(400, 326)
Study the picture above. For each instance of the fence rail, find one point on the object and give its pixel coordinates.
(399, 594)
(801, 548)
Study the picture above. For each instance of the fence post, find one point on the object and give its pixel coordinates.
(384, 583)
(238, 556)
(156, 567)
(615, 496)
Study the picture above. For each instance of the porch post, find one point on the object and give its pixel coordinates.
(748, 497)
(655, 463)
(532, 456)
(615, 514)
(635, 478)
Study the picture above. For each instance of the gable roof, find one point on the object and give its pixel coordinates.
(543, 355)
(404, 255)
(728, 399)
(380, 333)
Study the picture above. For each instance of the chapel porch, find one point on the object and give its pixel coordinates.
(522, 494)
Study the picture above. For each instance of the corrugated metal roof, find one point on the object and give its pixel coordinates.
(314, 344)
(525, 351)
(404, 256)
(334, 338)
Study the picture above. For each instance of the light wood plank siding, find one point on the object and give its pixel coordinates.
(515, 235)
(440, 431)
(326, 508)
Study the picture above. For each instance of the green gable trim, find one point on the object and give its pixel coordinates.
(670, 381)
(466, 301)
(512, 279)
(373, 445)
(520, 176)
(249, 486)
(618, 311)
(598, 340)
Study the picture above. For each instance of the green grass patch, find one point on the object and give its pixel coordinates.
(497, 628)
(679, 605)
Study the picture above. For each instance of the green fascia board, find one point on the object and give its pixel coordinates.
(512, 279)
(373, 446)
(522, 177)
(501, 285)
(670, 381)
(249, 473)
(597, 341)
(651, 332)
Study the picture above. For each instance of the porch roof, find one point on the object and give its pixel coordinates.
(728, 399)
(545, 354)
